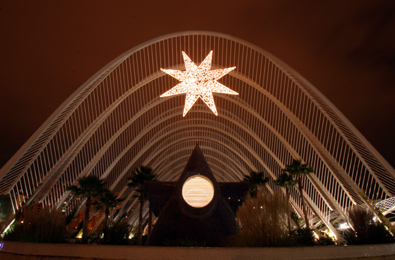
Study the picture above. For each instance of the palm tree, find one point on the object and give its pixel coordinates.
(298, 169)
(256, 179)
(88, 187)
(107, 200)
(287, 181)
(139, 176)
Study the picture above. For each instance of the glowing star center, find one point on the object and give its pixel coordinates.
(198, 82)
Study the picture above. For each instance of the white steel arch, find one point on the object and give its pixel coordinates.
(116, 121)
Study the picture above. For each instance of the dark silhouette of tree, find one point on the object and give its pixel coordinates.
(89, 187)
(287, 181)
(298, 170)
(139, 176)
(107, 200)
(256, 180)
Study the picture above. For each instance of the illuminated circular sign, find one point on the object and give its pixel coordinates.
(198, 191)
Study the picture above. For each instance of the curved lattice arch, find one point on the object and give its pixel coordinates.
(116, 122)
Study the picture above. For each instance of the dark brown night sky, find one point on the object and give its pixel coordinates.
(346, 49)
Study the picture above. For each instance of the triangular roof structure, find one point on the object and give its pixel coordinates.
(178, 221)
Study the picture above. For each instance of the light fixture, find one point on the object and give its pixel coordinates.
(344, 225)
(198, 82)
(198, 191)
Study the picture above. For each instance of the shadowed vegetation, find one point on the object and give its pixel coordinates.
(262, 221)
(5, 208)
(45, 226)
(287, 181)
(107, 201)
(298, 170)
(139, 176)
(116, 234)
(89, 187)
(257, 180)
(366, 230)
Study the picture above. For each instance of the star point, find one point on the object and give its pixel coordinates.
(198, 82)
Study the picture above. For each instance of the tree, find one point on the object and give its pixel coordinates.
(298, 169)
(89, 187)
(139, 176)
(256, 179)
(107, 200)
(287, 181)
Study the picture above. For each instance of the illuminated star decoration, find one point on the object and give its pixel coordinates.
(198, 82)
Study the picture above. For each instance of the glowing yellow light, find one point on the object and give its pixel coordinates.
(198, 191)
(198, 82)
(79, 235)
(331, 234)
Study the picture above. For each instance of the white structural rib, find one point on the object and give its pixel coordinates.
(117, 121)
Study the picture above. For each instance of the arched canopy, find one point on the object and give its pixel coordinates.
(117, 121)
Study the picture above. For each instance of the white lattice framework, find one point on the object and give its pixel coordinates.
(117, 121)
